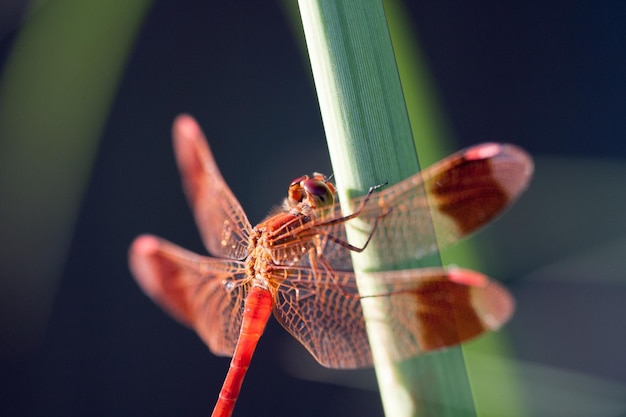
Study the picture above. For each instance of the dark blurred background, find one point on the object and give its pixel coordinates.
(550, 77)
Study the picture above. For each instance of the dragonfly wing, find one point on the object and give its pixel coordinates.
(223, 223)
(455, 197)
(325, 316)
(434, 308)
(473, 187)
(427, 309)
(202, 292)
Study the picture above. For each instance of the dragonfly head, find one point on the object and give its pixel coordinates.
(316, 192)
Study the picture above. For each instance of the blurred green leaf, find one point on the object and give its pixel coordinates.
(55, 94)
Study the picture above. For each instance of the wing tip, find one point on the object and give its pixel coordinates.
(188, 140)
(492, 302)
(494, 305)
(140, 256)
(185, 125)
(144, 245)
(483, 151)
(518, 168)
(467, 277)
(516, 162)
(154, 264)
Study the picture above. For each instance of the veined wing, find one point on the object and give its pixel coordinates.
(202, 292)
(458, 196)
(223, 224)
(427, 309)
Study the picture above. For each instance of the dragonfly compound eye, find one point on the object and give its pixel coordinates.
(318, 193)
(296, 192)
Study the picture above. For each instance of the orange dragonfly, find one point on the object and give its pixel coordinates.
(296, 262)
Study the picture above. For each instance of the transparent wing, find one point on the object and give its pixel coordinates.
(223, 224)
(202, 292)
(455, 197)
(428, 309)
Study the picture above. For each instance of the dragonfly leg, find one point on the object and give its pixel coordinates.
(359, 209)
(351, 247)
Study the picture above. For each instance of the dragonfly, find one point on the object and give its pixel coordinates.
(296, 263)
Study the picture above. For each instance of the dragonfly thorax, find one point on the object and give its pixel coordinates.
(278, 239)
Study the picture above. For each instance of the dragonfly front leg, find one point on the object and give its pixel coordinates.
(344, 243)
(356, 213)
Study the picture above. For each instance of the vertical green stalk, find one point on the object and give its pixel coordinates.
(370, 142)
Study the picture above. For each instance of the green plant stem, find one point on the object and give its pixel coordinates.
(370, 142)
